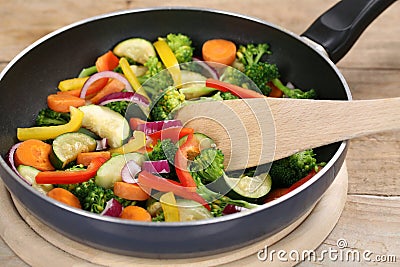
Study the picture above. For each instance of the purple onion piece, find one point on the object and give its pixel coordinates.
(129, 171)
(101, 144)
(155, 126)
(210, 71)
(124, 96)
(11, 162)
(113, 208)
(230, 209)
(104, 74)
(159, 166)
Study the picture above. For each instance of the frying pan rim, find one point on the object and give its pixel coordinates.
(84, 213)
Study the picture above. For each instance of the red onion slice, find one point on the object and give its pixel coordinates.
(230, 209)
(113, 208)
(129, 171)
(11, 162)
(209, 71)
(155, 126)
(104, 74)
(124, 96)
(101, 144)
(159, 166)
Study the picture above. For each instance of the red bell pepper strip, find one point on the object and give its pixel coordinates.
(187, 151)
(158, 183)
(70, 177)
(173, 133)
(233, 89)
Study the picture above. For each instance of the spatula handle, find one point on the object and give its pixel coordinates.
(303, 124)
(255, 131)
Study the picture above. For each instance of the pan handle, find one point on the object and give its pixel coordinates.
(339, 28)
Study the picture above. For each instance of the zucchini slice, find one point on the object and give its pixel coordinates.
(247, 187)
(110, 171)
(66, 148)
(137, 49)
(29, 173)
(106, 123)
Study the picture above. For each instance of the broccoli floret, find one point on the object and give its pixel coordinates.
(119, 106)
(237, 77)
(164, 149)
(92, 197)
(287, 171)
(209, 166)
(294, 93)
(164, 106)
(251, 53)
(228, 96)
(202, 169)
(181, 46)
(261, 73)
(156, 79)
(48, 117)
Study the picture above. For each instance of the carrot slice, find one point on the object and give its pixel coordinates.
(275, 91)
(34, 153)
(130, 191)
(107, 61)
(219, 51)
(85, 158)
(135, 213)
(62, 102)
(113, 86)
(64, 196)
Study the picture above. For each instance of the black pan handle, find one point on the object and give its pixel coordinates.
(339, 28)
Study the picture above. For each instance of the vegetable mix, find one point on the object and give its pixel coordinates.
(108, 143)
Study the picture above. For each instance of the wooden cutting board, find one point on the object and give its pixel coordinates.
(38, 245)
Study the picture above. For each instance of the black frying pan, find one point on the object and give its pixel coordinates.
(34, 74)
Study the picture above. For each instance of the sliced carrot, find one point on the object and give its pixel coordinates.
(131, 191)
(86, 157)
(64, 196)
(75, 92)
(62, 102)
(113, 86)
(219, 51)
(34, 153)
(107, 61)
(135, 213)
(275, 91)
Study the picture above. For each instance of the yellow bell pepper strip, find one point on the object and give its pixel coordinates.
(72, 84)
(131, 77)
(169, 60)
(134, 144)
(51, 132)
(169, 207)
(70, 177)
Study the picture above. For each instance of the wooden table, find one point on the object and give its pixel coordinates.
(371, 218)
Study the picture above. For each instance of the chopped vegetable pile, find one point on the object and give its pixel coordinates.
(108, 143)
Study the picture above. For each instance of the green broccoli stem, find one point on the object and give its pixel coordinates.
(211, 196)
(294, 93)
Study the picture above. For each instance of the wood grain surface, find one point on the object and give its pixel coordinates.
(371, 218)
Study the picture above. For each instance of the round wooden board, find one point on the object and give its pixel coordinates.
(38, 245)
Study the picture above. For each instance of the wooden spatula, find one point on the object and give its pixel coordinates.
(255, 131)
